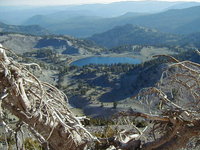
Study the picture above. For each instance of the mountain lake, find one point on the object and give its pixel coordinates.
(105, 60)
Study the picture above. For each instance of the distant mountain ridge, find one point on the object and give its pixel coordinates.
(138, 35)
(8, 14)
(171, 21)
(184, 5)
(179, 21)
(134, 35)
(31, 29)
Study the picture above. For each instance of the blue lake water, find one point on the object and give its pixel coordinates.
(105, 60)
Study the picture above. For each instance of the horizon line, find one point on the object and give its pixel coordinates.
(90, 3)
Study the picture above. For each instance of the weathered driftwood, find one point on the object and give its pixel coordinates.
(41, 106)
(174, 106)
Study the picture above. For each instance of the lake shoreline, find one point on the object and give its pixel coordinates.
(128, 55)
(108, 60)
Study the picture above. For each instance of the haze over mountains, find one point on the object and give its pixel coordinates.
(86, 20)
(181, 21)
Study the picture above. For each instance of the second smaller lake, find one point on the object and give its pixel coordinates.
(106, 60)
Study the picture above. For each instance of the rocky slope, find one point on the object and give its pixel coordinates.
(22, 43)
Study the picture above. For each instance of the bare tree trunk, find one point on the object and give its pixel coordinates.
(175, 139)
(41, 106)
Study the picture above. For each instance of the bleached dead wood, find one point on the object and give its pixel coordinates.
(41, 106)
(175, 107)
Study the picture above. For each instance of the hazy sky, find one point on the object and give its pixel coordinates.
(63, 2)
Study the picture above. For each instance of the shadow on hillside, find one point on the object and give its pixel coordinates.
(78, 102)
(132, 82)
(51, 42)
